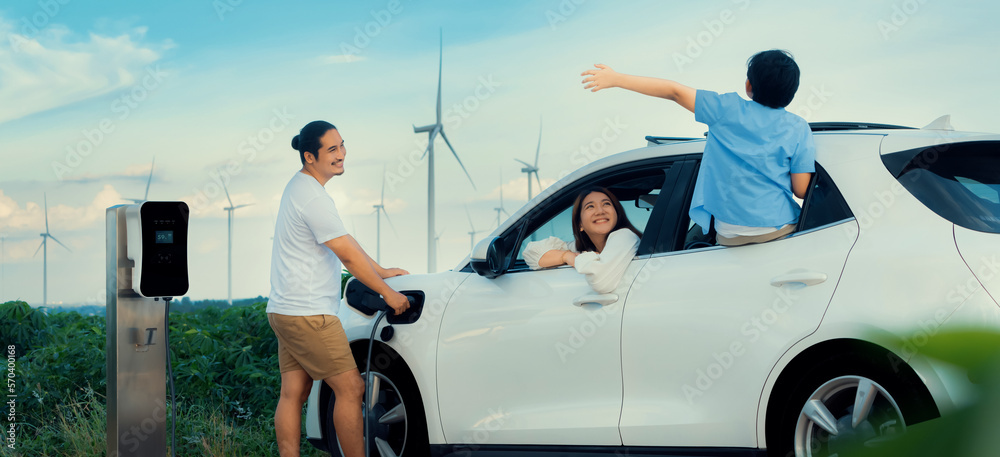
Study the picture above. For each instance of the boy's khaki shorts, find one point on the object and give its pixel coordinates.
(316, 344)
(742, 240)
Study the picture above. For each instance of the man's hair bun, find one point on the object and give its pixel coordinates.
(295, 143)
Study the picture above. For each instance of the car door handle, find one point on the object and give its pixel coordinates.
(600, 299)
(808, 278)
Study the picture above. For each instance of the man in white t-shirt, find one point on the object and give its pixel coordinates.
(310, 243)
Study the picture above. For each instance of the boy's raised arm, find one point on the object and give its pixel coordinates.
(604, 77)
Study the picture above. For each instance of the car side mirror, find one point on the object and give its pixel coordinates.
(488, 259)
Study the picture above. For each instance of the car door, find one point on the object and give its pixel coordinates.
(533, 357)
(704, 326)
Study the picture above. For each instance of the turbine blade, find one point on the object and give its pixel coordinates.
(227, 192)
(39, 247)
(240, 206)
(150, 180)
(440, 61)
(539, 149)
(46, 197)
(60, 243)
(504, 211)
(501, 189)
(525, 163)
(538, 180)
(393, 227)
(459, 160)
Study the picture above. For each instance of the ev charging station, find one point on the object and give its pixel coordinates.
(146, 267)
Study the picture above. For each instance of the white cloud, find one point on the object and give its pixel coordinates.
(48, 70)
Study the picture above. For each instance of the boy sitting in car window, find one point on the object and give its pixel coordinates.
(757, 155)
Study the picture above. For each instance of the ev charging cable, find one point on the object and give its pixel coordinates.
(387, 333)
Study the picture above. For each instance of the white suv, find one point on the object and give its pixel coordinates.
(800, 346)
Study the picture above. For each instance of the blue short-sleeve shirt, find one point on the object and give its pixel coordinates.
(750, 153)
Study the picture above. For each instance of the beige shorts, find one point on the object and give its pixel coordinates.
(741, 240)
(316, 344)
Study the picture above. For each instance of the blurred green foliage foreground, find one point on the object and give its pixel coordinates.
(225, 365)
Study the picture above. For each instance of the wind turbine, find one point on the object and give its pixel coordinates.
(500, 209)
(433, 130)
(472, 230)
(230, 209)
(379, 210)
(45, 253)
(148, 182)
(533, 169)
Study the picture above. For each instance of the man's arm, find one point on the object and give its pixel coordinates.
(357, 262)
(604, 77)
(385, 272)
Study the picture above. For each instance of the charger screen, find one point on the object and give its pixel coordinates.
(164, 237)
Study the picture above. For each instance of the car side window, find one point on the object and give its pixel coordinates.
(824, 203)
(637, 192)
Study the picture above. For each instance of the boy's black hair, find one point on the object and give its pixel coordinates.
(774, 78)
(308, 138)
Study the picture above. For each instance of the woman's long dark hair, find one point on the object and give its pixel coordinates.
(583, 242)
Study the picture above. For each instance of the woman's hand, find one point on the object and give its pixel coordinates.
(602, 78)
(569, 257)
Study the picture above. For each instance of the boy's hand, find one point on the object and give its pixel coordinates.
(602, 78)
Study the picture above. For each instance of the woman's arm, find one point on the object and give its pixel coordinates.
(546, 253)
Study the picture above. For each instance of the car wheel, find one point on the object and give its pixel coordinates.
(839, 407)
(397, 421)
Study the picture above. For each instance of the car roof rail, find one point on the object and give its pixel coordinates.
(655, 140)
(835, 126)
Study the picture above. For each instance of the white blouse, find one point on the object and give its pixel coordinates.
(603, 271)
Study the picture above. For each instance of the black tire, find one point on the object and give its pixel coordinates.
(898, 400)
(407, 437)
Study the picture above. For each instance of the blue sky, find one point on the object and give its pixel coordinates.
(119, 83)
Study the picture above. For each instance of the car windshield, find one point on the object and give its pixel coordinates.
(960, 181)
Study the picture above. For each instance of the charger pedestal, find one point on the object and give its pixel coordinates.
(136, 356)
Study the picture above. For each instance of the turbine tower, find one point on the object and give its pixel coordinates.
(433, 130)
(45, 253)
(148, 182)
(379, 210)
(500, 209)
(230, 209)
(530, 169)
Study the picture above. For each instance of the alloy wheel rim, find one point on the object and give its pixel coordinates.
(389, 423)
(846, 413)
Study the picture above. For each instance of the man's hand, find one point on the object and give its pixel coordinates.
(602, 78)
(569, 257)
(398, 302)
(390, 272)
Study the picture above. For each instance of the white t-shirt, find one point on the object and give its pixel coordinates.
(305, 274)
(602, 271)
